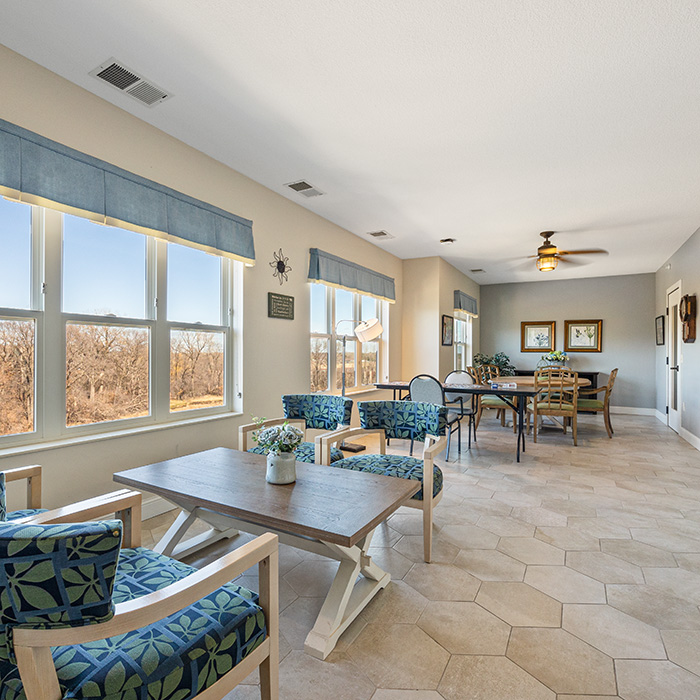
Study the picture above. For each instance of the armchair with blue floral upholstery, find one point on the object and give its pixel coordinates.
(33, 476)
(308, 412)
(82, 616)
(409, 420)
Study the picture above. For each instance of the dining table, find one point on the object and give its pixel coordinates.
(514, 397)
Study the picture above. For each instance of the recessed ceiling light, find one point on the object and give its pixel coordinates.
(448, 241)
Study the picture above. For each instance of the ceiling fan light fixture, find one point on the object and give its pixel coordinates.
(547, 263)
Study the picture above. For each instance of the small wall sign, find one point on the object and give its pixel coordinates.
(280, 306)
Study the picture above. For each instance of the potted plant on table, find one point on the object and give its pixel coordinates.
(557, 357)
(280, 441)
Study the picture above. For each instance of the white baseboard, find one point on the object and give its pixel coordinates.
(633, 411)
(154, 505)
(694, 440)
(661, 417)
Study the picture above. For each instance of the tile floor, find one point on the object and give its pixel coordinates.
(574, 574)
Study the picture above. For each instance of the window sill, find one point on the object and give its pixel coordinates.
(357, 392)
(113, 434)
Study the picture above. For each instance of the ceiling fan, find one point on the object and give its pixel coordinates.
(548, 255)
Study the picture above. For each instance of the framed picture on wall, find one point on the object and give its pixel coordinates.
(660, 339)
(537, 336)
(583, 336)
(448, 326)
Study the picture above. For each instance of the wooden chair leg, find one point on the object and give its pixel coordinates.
(573, 427)
(515, 422)
(534, 427)
(503, 417)
(427, 527)
(608, 426)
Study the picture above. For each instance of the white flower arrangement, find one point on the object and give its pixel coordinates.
(278, 438)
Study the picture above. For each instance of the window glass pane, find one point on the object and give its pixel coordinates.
(106, 373)
(104, 269)
(319, 315)
(349, 364)
(196, 369)
(344, 311)
(194, 286)
(16, 255)
(370, 359)
(16, 376)
(319, 364)
(369, 308)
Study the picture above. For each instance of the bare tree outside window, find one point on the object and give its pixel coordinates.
(319, 364)
(16, 376)
(196, 369)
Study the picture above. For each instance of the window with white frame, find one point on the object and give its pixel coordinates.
(334, 315)
(102, 328)
(463, 342)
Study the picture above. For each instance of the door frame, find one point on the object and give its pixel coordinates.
(679, 359)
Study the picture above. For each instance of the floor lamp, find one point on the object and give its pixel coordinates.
(366, 331)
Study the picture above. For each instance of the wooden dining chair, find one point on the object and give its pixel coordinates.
(599, 405)
(487, 374)
(33, 476)
(558, 397)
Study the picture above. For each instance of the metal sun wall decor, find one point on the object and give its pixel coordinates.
(281, 267)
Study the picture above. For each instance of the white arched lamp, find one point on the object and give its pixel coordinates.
(366, 331)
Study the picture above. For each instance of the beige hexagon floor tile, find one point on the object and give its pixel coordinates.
(531, 551)
(562, 662)
(383, 694)
(489, 678)
(490, 565)
(604, 567)
(683, 648)
(654, 606)
(399, 656)
(397, 603)
(567, 539)
(613, 632)
(469, 537)
(442, 582)
(411, 546)
(564, 584)
(505, 526)
(391, 561)
(655, 680)
(637, 553)
(519, 604)
(311, 579)
(539, 516)
(446, 623)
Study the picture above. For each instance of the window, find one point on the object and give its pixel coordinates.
(463, 342)
(334, 314)
(128, 330)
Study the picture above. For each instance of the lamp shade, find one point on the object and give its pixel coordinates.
(369, 330)
(547, 263)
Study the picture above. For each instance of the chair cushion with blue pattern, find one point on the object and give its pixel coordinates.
(304, 453)
(411, 420)
(173, 659)
(393, 465)
(320, 411)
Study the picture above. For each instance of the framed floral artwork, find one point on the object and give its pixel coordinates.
(537, 336)
(583, 336)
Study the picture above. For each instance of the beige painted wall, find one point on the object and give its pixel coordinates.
(275, 351)
(428, 293)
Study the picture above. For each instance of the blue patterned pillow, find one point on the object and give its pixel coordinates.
(410, 420)
(320, 411)
(306, 452)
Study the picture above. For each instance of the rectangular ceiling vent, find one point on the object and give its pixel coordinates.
(304, 188)
(477, 269)
(380, 235)
(130, 83)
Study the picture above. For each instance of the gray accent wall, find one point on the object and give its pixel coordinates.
(683, 265)
(626, 305)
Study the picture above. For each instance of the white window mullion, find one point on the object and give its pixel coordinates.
(160, 338)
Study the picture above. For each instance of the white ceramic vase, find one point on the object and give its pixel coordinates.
(281, 468)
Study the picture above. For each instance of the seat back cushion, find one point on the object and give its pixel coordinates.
(426, 389)
(3, 503)
(321, 412)
(410, 420)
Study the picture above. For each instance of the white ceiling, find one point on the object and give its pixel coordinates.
(484, 120)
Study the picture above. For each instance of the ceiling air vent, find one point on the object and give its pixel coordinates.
(130, 82)
(303, 187)
(477, 269)
(380, 235)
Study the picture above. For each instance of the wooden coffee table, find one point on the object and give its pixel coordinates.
(332, 512)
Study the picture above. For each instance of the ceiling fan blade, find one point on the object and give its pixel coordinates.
(571, 262)
(590, 251)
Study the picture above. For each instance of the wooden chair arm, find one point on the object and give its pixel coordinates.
(590, 391)
(33, 475)
(245, 430)
(124, 503)
(324, 442)
(430, 451)
(155, 606)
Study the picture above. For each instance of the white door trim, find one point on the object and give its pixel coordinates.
(679, 362)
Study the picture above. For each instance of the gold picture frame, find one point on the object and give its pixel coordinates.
(583, 336)
(537, 336)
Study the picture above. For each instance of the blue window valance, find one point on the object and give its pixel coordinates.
(465, 304)
(36, 170)
(336, 272)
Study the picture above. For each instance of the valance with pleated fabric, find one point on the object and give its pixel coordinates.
(465, 304)
(337, 272)
(37, 170)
